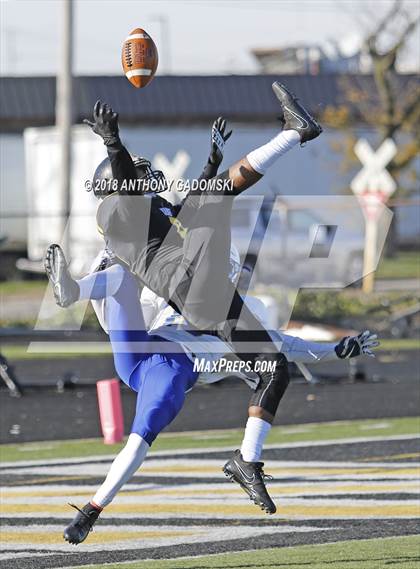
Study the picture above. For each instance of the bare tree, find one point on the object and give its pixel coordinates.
(395, 106)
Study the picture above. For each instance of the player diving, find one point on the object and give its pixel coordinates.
(161, 380)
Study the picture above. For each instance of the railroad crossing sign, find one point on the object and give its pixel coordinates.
(374, 184)
(371, 203)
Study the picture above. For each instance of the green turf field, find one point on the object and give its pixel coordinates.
(218, 438)
(395, 552)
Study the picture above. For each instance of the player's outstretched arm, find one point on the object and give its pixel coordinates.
(302, 351)
(219, 137)
(105, 125)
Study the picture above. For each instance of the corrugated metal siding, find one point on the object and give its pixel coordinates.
(31, 101)
(27, 98)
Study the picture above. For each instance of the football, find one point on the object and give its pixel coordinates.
(139, 58)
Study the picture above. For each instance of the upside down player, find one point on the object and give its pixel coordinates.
(161, 380)
(183, 255)
(137, 370)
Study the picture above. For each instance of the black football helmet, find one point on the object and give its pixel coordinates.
(104, 184)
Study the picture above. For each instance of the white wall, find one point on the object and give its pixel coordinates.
(12, 187)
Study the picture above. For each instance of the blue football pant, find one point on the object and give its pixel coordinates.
(160, 380)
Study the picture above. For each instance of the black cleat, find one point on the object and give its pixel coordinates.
(82, 524)
(250, 476)
(296, 117)
(66, 290)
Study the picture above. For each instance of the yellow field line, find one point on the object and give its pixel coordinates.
(182, 508)
(55, 538)
(278, 488)
(390, 457)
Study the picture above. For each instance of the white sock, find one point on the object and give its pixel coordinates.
(126, 463)
(256, 432)
(263, 157)
(101, 284)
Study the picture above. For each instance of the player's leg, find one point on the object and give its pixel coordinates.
(123, 317)
(252, 167)
(162, 381)
(207, 304)
(131, 344)
(121, 311)
(101, 284)
(125, 464)
(259, 424)
(299, 127)
(263, 407)
(255, 345)
(203, 270)
(245, 467)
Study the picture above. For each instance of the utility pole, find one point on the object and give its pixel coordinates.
(64, 119)
(11, 61)
(165, 42)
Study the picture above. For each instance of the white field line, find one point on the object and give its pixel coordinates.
(235, 499)
(60, 489)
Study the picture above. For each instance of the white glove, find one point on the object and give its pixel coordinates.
(353, 346)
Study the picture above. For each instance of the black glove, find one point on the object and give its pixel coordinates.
(352, 346)
(218, 139)
(105, 123)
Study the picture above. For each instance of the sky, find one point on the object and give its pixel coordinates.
(193, 36)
